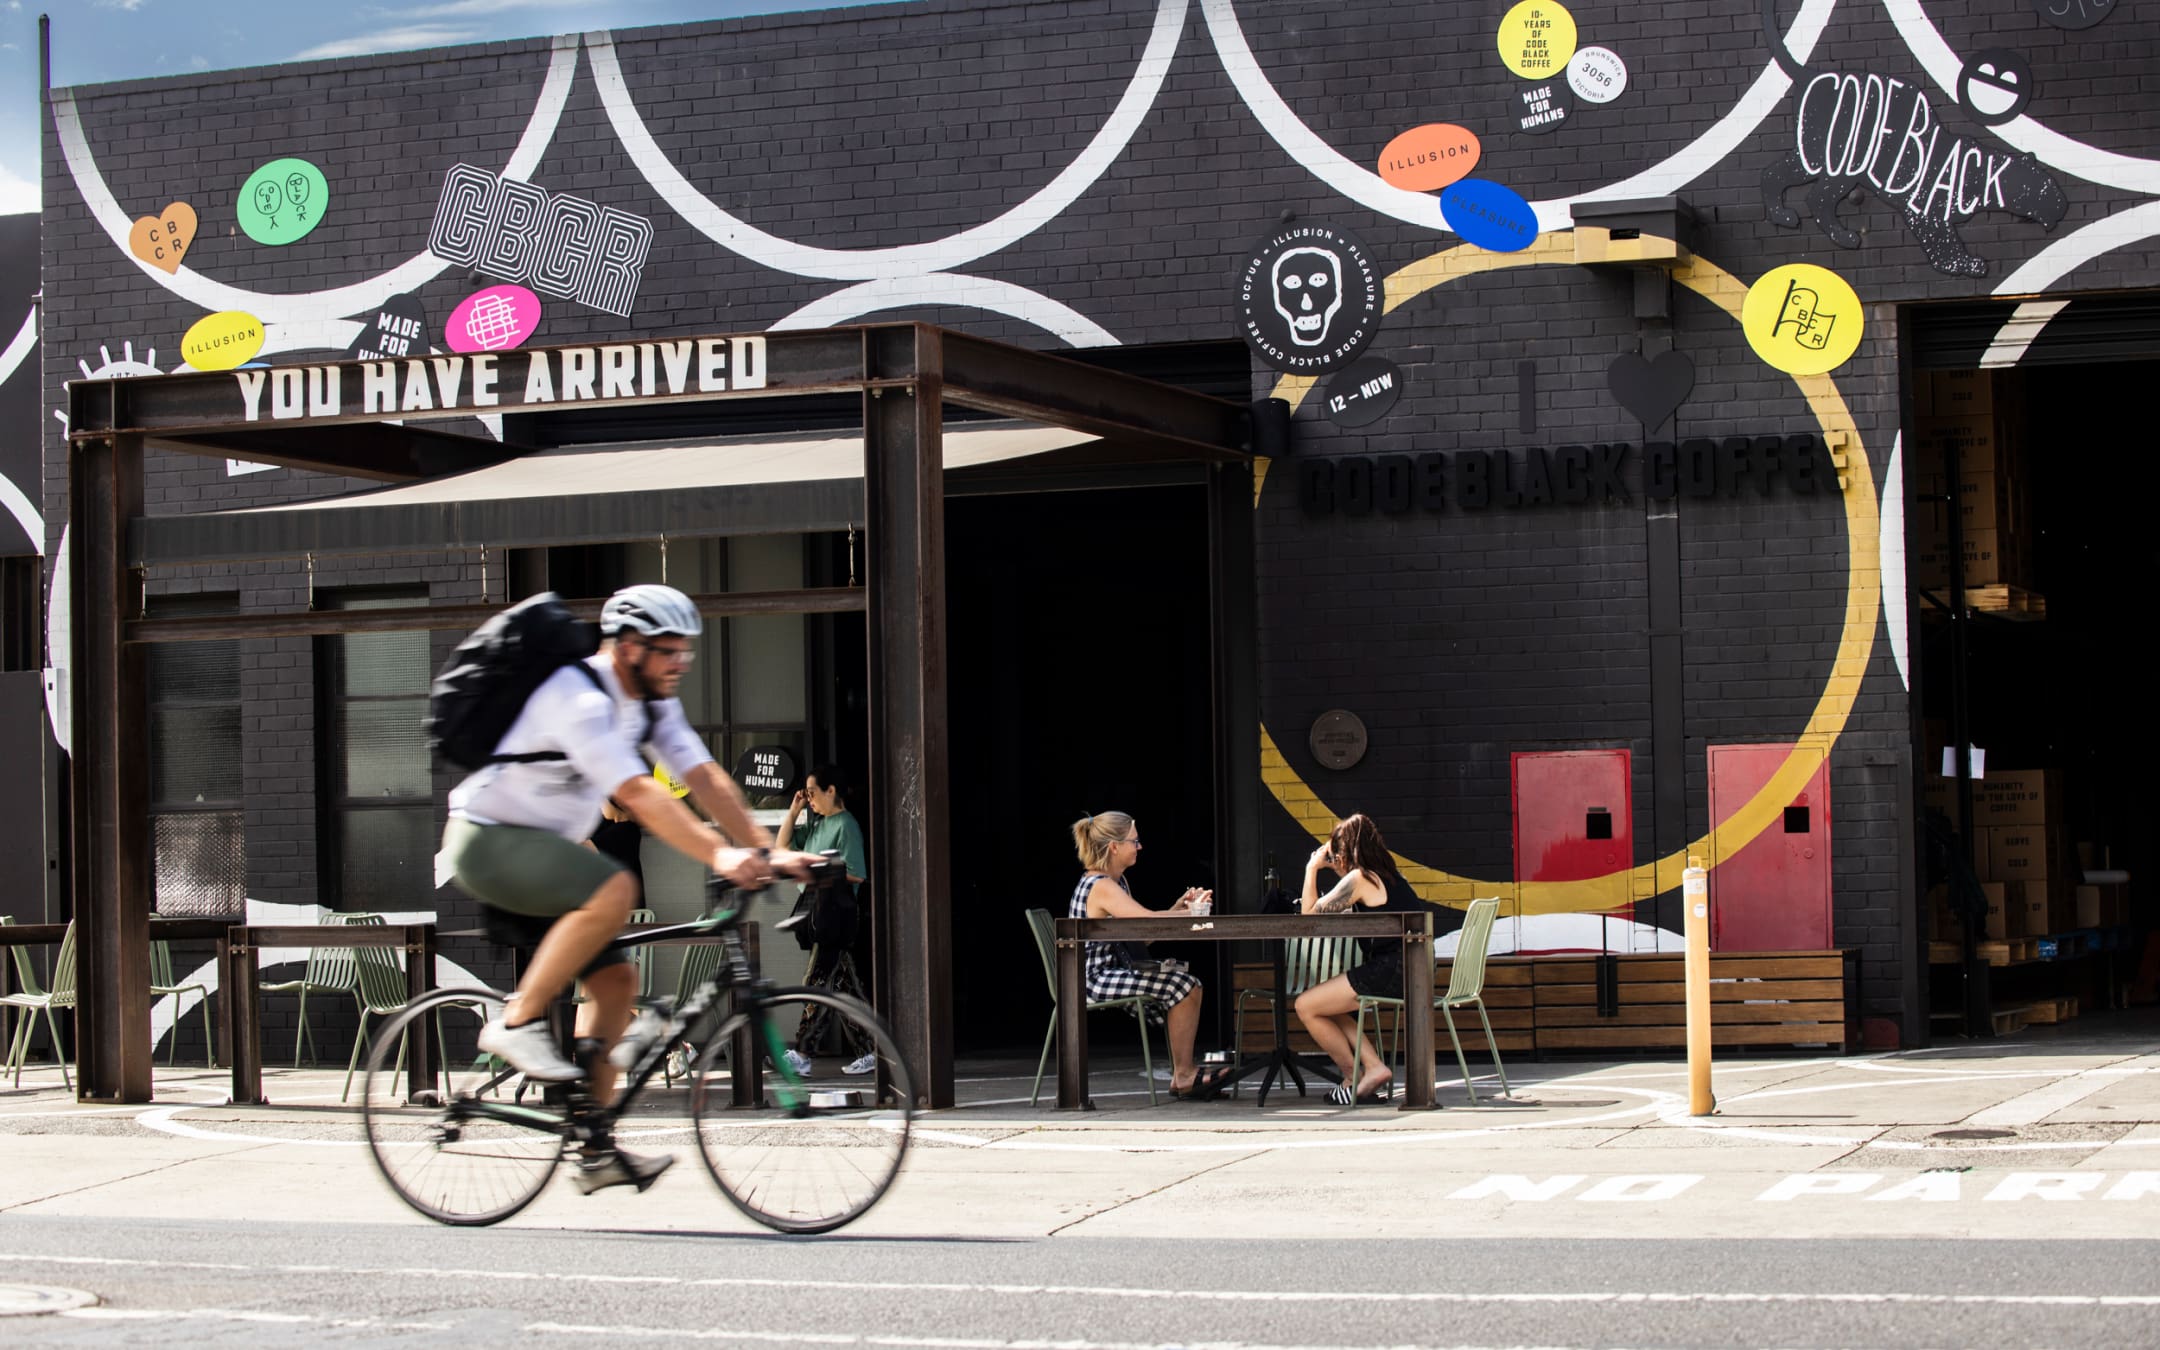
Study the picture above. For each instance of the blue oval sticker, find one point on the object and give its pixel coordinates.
(1489, 215)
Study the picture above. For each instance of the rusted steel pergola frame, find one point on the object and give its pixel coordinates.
(904, 374)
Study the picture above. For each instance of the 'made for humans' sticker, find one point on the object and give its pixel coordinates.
(1309, 299)
(1542, 106)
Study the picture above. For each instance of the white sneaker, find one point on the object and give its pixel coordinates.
(620, 1167)
(797, 1061)
(531, 1050)
(860, 1066)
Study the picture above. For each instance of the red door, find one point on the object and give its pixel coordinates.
(1573, 821)
(1773, 895)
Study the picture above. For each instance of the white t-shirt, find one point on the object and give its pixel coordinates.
(598, 734)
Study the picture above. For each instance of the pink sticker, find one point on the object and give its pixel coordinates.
(492, 320)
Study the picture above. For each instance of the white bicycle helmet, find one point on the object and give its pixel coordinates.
(651, 610)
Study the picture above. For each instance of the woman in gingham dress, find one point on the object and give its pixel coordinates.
(1108, 843)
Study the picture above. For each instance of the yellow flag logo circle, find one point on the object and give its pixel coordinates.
(1802, 319)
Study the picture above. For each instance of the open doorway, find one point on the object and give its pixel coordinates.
(2052, 487)
(1080, 681)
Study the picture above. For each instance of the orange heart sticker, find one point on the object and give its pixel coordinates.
(162, 239)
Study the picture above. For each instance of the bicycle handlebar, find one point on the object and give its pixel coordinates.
(831, 868)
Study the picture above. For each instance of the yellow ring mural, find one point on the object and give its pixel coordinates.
(1863, 600)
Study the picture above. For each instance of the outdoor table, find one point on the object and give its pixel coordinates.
(1414, 931)
(242, 970)
(161, 930)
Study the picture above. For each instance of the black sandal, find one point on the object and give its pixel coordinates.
(1206, 1087)
(1342, 1094)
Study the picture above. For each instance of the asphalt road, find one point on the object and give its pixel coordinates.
(274, 1283)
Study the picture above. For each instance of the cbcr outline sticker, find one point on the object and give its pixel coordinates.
(1309, 300)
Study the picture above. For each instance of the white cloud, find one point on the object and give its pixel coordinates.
(389, 40)
(129, 5)
(17, 195)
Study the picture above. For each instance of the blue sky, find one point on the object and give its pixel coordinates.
(98, 40)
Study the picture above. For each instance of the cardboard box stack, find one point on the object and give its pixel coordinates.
(2019, 852)
(1979, 413)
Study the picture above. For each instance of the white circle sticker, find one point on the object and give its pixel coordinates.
(1597, 75)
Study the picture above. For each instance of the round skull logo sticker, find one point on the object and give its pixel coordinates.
(1309, 300)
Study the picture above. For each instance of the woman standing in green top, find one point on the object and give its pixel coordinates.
(833, 828)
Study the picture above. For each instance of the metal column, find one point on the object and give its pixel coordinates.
(904, 501)
(109, 707)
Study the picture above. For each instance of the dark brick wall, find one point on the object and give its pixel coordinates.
(1459, 637)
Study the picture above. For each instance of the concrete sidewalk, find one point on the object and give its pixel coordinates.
(2053, 1134)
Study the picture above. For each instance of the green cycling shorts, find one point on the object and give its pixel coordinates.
(525, 871)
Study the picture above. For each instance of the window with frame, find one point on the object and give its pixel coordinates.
(21, 614)
(197, 824)
(750, 686)
(751, 683)
(377, 844)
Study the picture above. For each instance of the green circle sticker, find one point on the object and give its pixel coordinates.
(281, 201)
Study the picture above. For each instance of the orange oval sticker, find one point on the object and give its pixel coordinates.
(1428, 158)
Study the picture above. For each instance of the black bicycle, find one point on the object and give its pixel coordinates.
(798, 1153)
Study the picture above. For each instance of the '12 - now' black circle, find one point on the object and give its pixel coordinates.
(1309, 299)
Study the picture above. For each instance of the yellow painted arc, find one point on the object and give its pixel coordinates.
(1856, 641)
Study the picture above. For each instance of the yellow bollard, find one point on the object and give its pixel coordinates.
(1695, 903)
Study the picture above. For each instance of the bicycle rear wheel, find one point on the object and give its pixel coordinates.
(465, 1153)
(819, 1149)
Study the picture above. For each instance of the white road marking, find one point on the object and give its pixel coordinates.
(1331, 1296)
(244, 1315)
(662, 1334)
(2042, 1102)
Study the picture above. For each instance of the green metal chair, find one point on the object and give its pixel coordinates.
(380, 987)
(699, 961)
(33, 997)
(1306, 962)
(1466, 988)
(641, 957)
(161, 984)
(330, 970)
(1136, 1004)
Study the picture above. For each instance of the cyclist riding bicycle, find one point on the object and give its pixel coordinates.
(513, 842)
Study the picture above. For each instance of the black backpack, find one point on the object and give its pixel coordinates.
(483, 687)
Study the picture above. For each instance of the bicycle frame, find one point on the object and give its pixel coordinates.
(732, 976)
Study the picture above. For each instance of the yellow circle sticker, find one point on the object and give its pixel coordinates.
(670, 781)
(1537, 38)
(1802, 319)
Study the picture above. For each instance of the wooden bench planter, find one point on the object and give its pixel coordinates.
(1540, 1003)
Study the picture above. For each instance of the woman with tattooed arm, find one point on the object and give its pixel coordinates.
(1355, 853)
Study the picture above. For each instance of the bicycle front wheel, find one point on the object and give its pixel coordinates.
(465, 1152)
(812, 1145)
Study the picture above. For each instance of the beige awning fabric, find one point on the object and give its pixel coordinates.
(583, 471)
(774, 484)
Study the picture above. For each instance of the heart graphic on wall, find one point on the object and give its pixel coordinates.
(1652, 390)
(161, 240)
